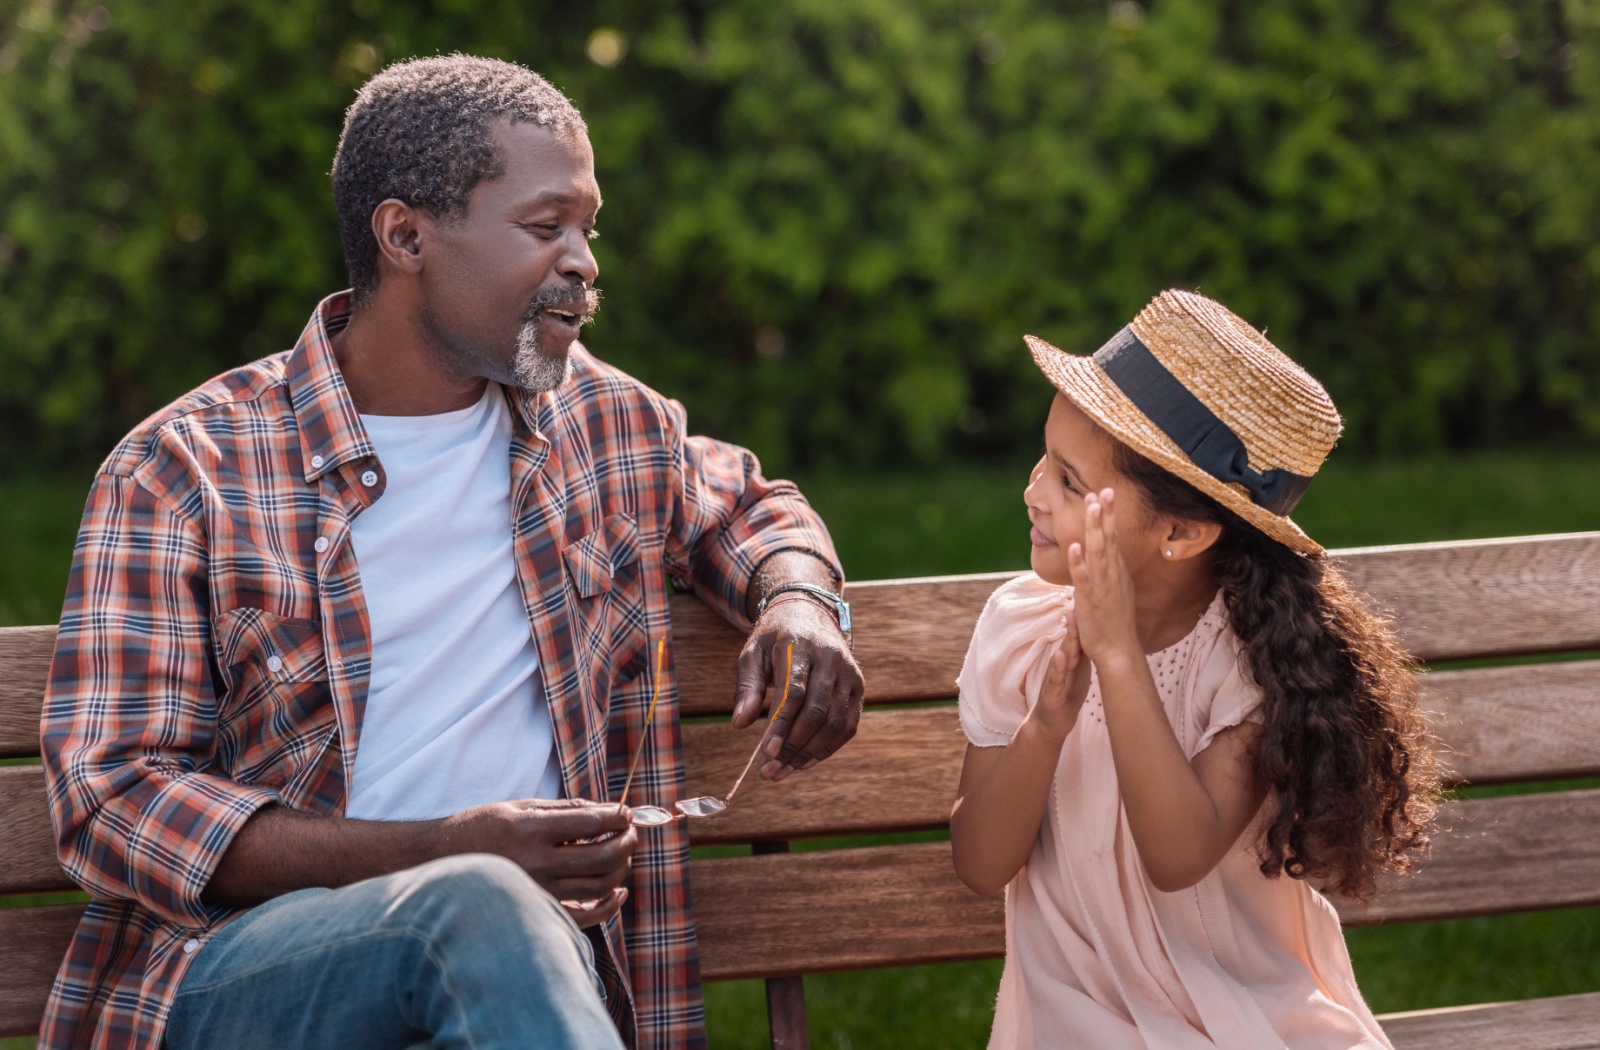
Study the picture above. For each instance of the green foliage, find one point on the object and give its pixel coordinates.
(827, 224)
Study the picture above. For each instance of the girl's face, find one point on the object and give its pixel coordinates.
(1078, 460)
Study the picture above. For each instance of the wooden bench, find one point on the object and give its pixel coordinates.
(896, 905)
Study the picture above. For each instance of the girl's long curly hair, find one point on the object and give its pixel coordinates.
(1346, 757)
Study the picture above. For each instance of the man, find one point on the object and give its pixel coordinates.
(359, 638)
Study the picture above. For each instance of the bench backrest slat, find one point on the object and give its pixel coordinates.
(895, 905)
(1507, 724)
(1495, 855)
(796, 913)
(1500, 724)
(27, 844)
(1450, 601)
(24, 668)
(899, 773)
(1483, 598)
(35, 940)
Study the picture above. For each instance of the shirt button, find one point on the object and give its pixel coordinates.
(321, 544)
(274, 663)
(190, 945)
(369, 478)
(316, 462)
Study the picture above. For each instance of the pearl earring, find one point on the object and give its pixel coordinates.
(1169, 554)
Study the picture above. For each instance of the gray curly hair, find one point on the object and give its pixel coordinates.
(419, 132)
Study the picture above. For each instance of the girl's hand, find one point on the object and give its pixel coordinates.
(1004, 791)
(1066, 683)
(1102, 587)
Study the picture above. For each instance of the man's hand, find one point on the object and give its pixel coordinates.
(825, 686)
(580, 851)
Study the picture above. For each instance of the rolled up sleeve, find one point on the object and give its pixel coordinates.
(129, 727)
(728, 519)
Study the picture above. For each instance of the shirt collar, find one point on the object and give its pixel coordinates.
(330, 428)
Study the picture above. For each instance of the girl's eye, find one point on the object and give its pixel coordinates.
(1067, 484)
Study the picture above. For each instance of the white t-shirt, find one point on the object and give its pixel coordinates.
(456, 713)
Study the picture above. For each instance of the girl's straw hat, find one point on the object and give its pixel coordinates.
(1196, 390)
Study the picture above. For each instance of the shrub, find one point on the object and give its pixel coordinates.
(827, 225)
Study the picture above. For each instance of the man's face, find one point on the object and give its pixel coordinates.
(507, 286)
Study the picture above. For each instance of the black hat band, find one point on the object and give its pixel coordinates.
(1209, 443)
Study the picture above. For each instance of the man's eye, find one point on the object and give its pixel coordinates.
(592, 234)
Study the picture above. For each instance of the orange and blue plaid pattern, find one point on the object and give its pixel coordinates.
(214, 651)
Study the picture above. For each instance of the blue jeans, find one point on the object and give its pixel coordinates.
(465, 952)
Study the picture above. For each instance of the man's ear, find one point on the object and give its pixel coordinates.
(1185, 539)
(399, 231)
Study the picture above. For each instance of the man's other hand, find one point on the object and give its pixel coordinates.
(825, 686)
(579, 851)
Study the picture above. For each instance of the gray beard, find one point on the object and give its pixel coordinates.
(531, 368)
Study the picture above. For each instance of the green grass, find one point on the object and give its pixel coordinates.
(970, 519)
(38, 523)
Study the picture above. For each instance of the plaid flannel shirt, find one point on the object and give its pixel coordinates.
(202, 556)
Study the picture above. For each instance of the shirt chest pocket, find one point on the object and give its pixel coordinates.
(606, 571)
(275, 708)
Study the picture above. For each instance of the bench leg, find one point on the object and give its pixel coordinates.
(786, 1012)
(786, 996)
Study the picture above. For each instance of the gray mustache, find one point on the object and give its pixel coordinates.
(583, 305)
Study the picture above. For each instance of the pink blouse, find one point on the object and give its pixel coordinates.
(1095, 955)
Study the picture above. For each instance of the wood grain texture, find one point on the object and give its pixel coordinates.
(1473, 598)
(1450, 601)
(27, 842)
(786, 1013)
(903, 905)
(910, 637)
(787, 914)
(35, 941)
(24, 667)
(1506, 724)
(1496, 855)
(1567, 1022)
(899, 773)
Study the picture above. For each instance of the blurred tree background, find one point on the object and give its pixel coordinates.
(827, 225)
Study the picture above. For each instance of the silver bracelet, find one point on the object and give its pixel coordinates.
(833, 602)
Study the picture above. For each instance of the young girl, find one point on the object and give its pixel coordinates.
(1183, 718)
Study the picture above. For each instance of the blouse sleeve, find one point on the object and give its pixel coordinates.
(1233, 697)
(1021, 625)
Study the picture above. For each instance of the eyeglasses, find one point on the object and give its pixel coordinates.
(703, 805)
